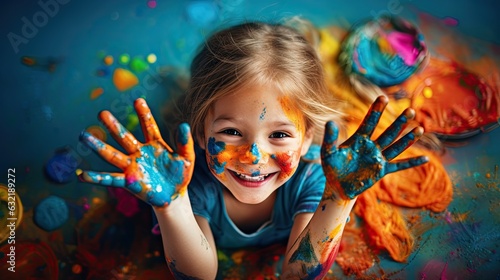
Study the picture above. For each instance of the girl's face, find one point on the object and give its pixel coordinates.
(254, 139)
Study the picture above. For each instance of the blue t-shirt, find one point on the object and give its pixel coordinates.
(300, 194)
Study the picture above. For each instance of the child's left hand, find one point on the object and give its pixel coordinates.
(359, 162)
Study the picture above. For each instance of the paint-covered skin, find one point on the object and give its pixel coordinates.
(360, 162)
(152, 171)
(219, 154)
(350, 169)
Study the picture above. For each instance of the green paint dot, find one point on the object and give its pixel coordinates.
(138, 65)
(124, 58)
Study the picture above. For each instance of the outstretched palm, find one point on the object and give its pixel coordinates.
(151, 170)
(360, 162)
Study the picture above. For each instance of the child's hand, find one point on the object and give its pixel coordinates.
(151, 170)
(360, 162)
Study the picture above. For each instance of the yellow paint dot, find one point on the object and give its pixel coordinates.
(427, 92)
(124, 58)
(108, 60)
(151, 58)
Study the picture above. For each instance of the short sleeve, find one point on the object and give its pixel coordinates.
(203, 188)
(311, 184)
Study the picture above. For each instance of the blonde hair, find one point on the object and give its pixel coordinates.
(257, 52)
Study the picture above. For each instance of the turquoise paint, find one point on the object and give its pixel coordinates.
(255, 152)
(263, 114)
(107, 180)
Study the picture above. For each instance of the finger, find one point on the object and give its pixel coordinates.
(102, 178)
(330, 138)
(390, 134)
(403, 164)
(373, 116)
(403, 143)
(148, 123)
(185, 144)
(107, 152)
(126, 139)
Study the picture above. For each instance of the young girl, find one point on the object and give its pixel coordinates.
(256, 102)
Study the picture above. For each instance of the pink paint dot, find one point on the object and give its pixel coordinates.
(152, 4)
(450, 21)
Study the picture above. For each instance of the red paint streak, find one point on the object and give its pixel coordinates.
(284, 161)
(331, 258)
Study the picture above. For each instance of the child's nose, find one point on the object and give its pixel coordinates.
(254, 155)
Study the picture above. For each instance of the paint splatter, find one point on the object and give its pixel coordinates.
(263, 114)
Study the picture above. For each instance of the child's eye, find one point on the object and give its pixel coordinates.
(231, 131)
(279, 135)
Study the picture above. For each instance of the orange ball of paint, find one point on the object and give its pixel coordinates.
(76, 269)
(108, 60)
(96, 93)
(124, 79)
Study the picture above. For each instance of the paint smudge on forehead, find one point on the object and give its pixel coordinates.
(263, 113)
(293, 113)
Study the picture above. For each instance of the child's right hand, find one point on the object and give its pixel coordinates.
(151, 170)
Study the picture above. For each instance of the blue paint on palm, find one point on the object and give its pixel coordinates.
(162, 175)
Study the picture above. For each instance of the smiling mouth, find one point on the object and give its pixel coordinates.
(250, 178)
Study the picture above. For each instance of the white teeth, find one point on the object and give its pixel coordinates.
(251, 178)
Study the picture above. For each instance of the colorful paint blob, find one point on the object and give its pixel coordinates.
(202, 13)
(96, 92)
(124, 80)
(124, 59)
(51, 213)
(384, 51)
(151, 58)
(60, 168)
(138, 65)
(108, 60)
